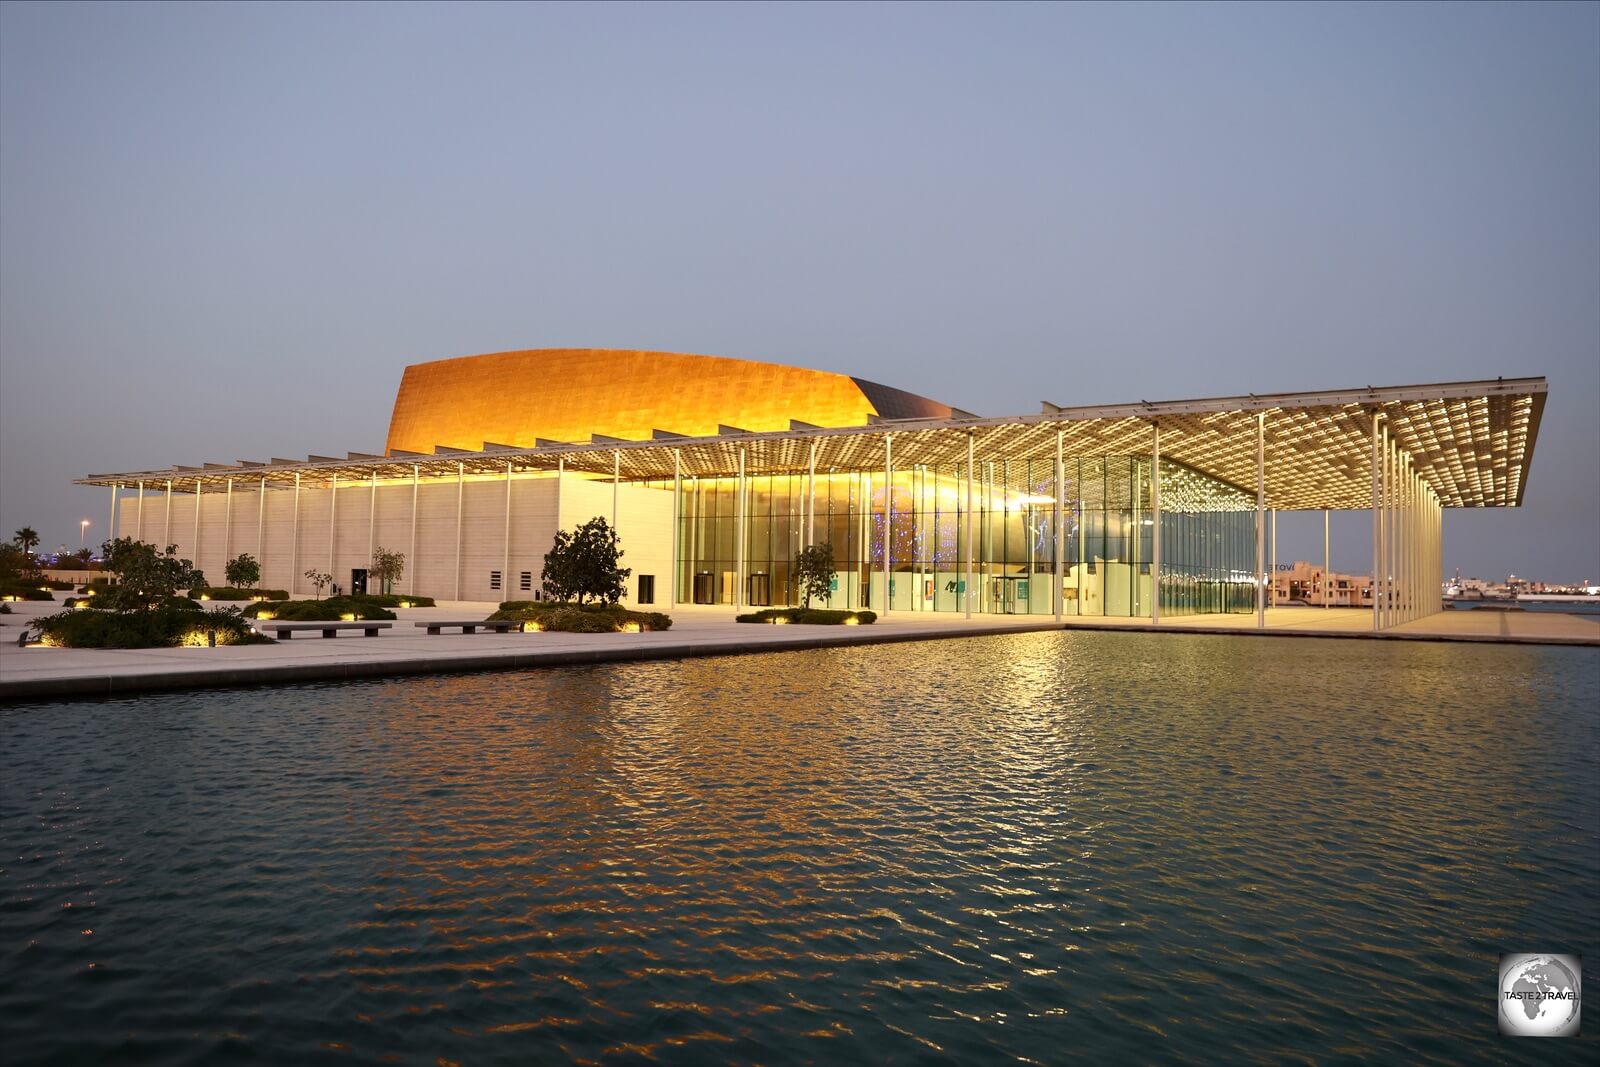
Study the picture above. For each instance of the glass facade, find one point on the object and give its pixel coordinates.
(1207, 538)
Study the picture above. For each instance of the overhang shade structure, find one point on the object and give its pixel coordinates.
(1068, 511)
(1469, 443)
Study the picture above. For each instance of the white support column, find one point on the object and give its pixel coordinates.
(194, 550)
(166, 523)
(227, 529)
(261, 520)
(372, 516)
(888, 520)
(811, 497)
(1391, 531)
(1155, 524)
(138, 522)
(505, 558)
(461, 488)
(111, 527)
(1060, 539)
(1272, 572)
(294, 540)
(1261, 503)
(1327, 582)
(677, 523)
(967, 586)
(616, 480)
(1377, 523)
(738, 538)
(416, 476)
(333, 514)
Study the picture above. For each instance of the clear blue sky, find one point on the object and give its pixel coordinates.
(224, 230)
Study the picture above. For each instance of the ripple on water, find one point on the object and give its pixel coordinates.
(1178, 848)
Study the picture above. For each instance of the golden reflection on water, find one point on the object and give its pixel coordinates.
(999, 847)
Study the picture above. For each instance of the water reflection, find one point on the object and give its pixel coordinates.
(1023, 846)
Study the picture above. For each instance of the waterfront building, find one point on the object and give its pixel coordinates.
(716, 472)
(1304, 582)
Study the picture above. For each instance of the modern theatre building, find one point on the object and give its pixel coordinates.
(716, 472)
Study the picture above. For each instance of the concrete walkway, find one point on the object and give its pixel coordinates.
(27, 673)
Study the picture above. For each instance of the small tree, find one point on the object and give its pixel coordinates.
(17, 567)
(26, 538)
(814, 570)
(319, 581)
(584, 564)
(386, 568)
(243, 571)
(146, 576)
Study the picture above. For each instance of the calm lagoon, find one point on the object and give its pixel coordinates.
(1163, 848)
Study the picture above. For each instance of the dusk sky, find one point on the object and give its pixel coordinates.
(225, 230)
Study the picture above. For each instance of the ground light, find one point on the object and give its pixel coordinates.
(631, 628)
(851, 620)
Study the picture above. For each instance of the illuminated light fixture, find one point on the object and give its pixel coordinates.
(780, 620)
(532, 628)
(631, 628)
(266, 616)
(205, 596)
(405, 603)
(348, 616)
(851, 620)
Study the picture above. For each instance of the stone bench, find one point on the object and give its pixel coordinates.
(286, 630)
(467, 626)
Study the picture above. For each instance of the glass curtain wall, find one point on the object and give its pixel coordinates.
(1207, 538)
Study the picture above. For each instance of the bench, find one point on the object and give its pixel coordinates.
(286, 630)
(467, 626)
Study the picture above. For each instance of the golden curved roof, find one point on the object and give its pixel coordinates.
(572, 394)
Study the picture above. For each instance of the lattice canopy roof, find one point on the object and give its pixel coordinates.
(1471, 441)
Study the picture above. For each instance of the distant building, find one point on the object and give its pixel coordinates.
(1304, 583)
(717, 472)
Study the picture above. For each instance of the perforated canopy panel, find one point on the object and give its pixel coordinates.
(1471, 441)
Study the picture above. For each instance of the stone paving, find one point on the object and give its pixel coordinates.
(696, 631)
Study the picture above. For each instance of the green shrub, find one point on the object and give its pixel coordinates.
(233, 592)
(26, 592)
(585, 619)
(810, 616)
(167, 626)
(5, 609)
(393, 600)
(57, 584)
(328, 609)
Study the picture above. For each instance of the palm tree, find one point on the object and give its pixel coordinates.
(26, 538)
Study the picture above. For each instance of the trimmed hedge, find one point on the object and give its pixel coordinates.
(328, 609)
(164, 627)
(393, 600)
(810, 616)
(586, 619)
(233, 592)
(27, 592)
(58, 584)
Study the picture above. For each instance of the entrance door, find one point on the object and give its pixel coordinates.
(705, 588)
(760, 589)
(358, 582)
